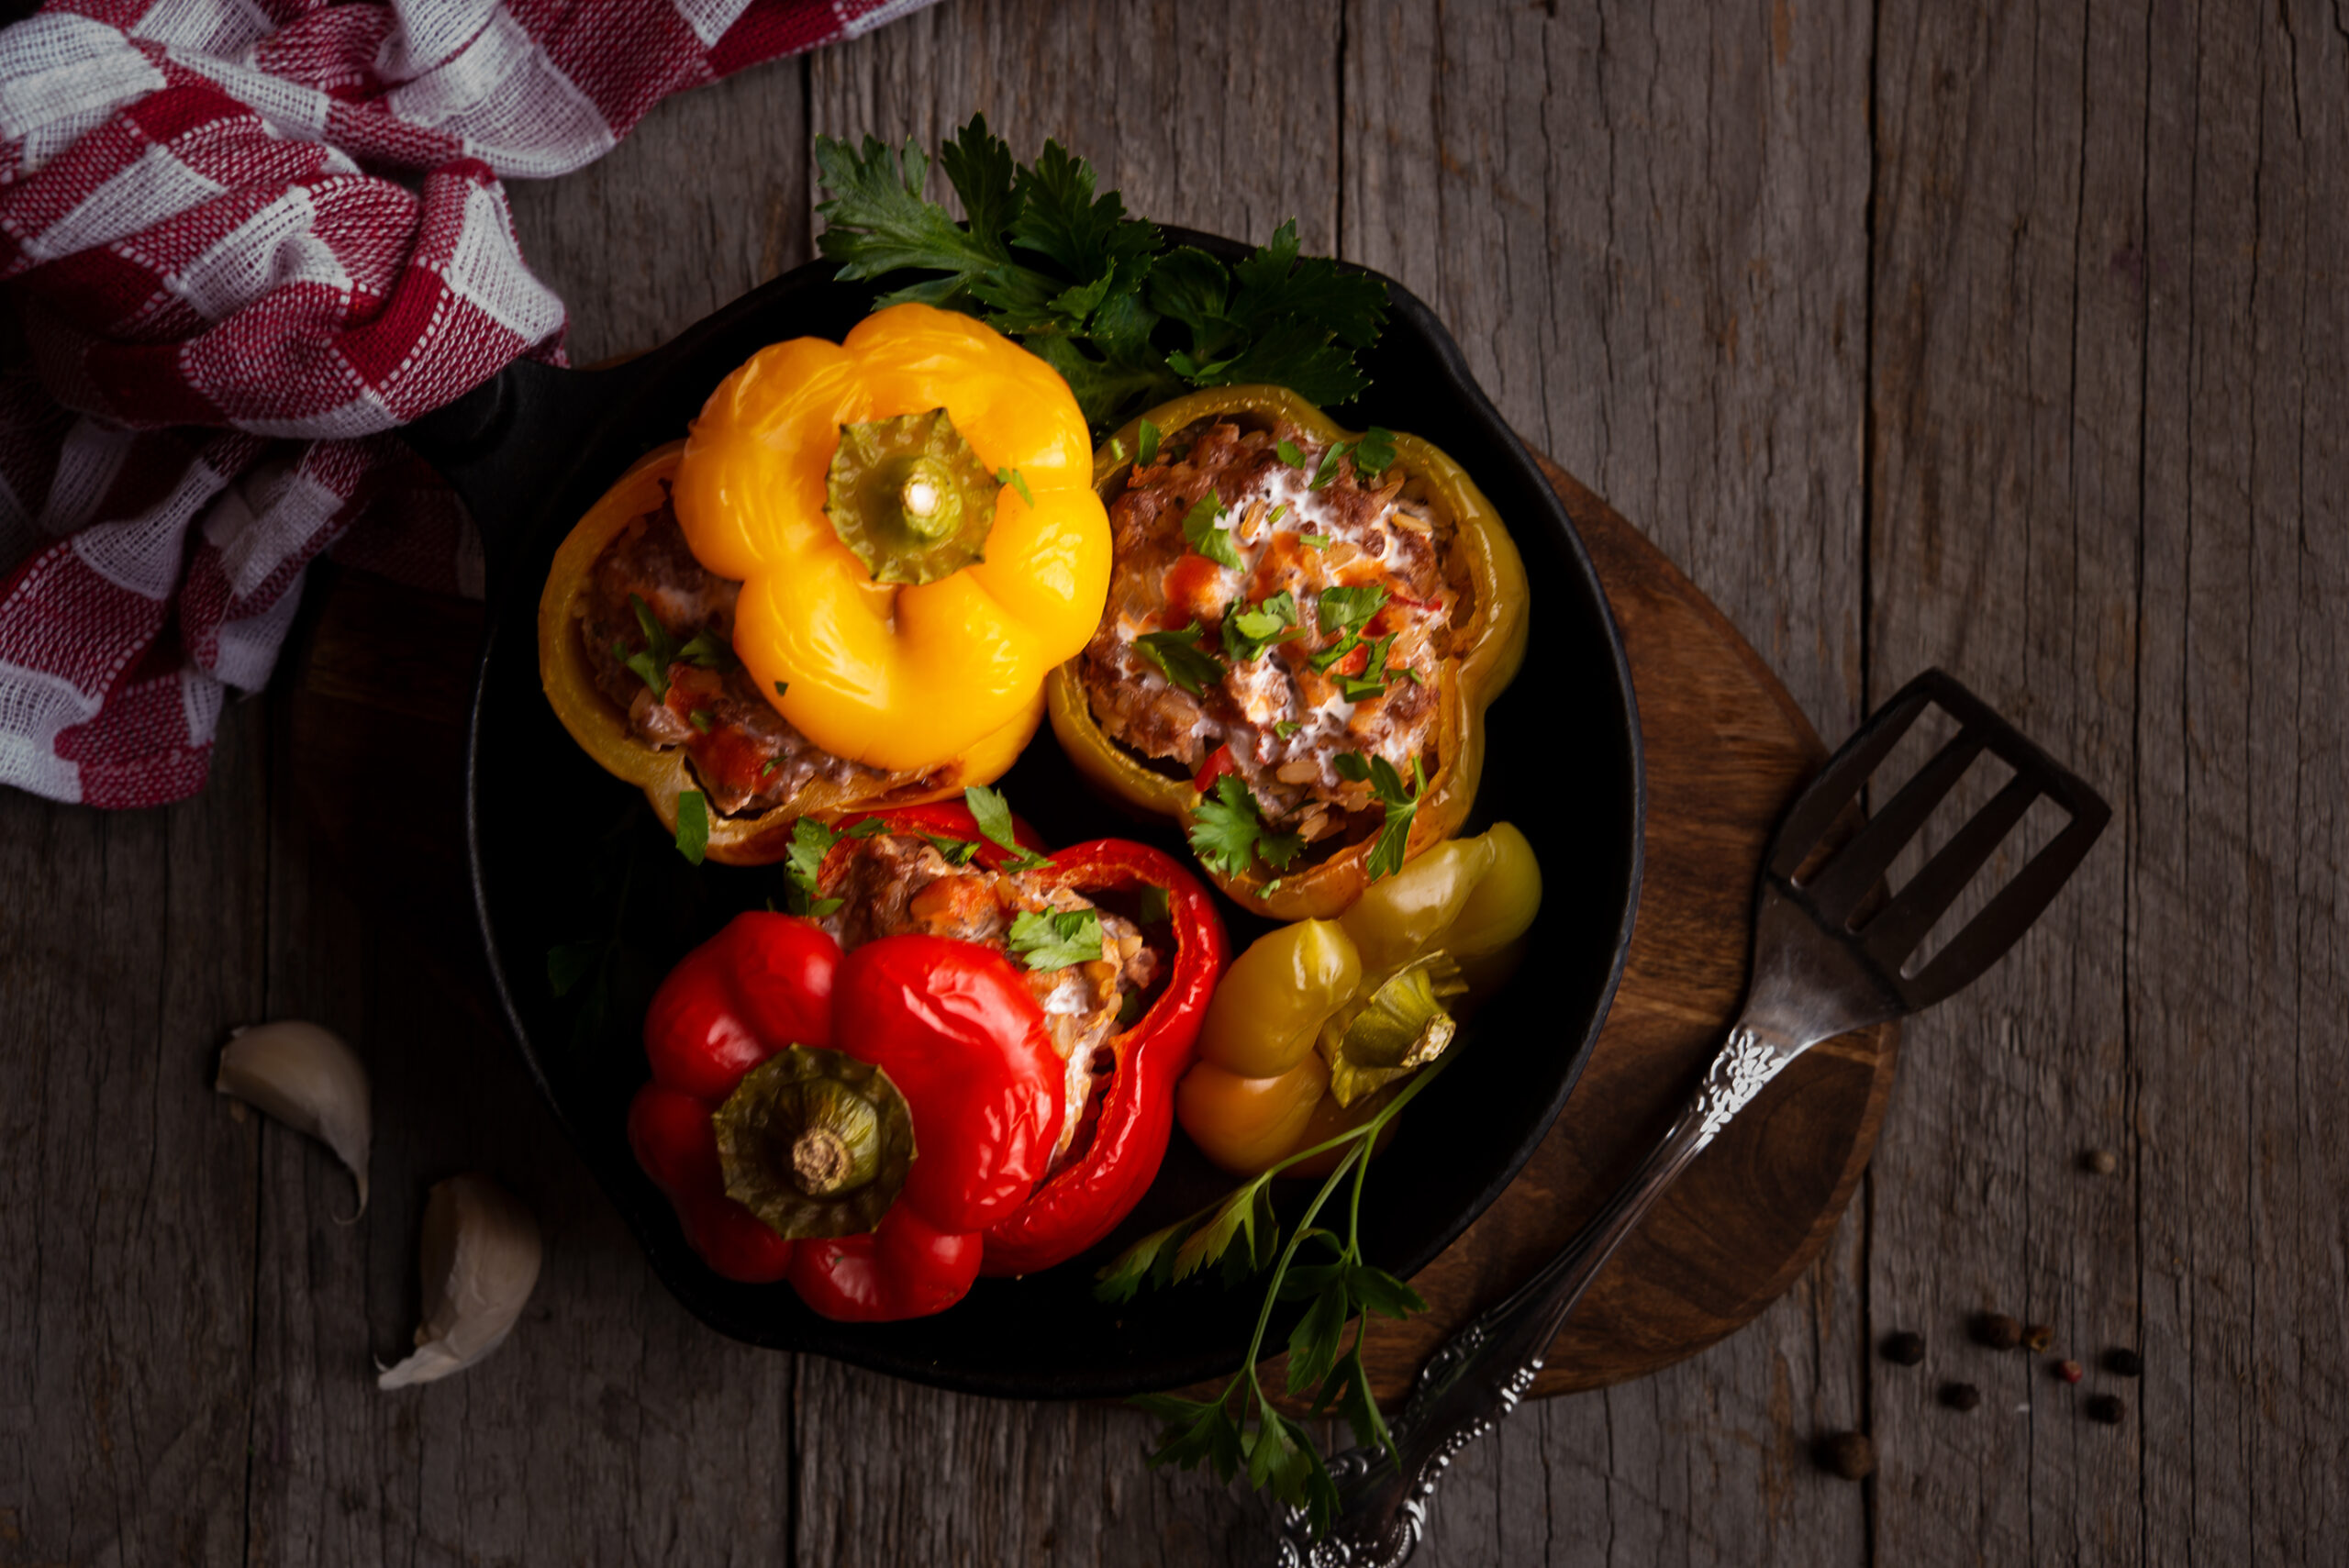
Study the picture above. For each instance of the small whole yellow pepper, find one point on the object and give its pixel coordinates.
(910, 512)
(1291, 1052)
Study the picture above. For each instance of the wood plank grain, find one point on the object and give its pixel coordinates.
(1645, 226)
(130, 944)
(2096, 409)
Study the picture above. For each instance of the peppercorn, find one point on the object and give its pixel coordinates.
(2124, 1363)
(1848, 1454)
(2107, 1408)
(2070, 1371)
(2099, 1162)
(1961, 1396)
(1904, 1348)
(1996, 1330)
(2039, 1339)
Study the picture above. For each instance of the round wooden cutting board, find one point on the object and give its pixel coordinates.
(376, 759)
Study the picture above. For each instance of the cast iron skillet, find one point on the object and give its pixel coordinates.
(563, 853)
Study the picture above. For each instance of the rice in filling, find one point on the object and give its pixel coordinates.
(1285, 721)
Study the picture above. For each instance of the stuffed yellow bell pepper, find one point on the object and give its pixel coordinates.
(1304, 626)
(1319, 1022)
(844, 591)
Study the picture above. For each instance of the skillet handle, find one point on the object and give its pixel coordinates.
(508, 445)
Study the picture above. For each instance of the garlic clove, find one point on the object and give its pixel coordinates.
(481, 1259)
(309, 1079)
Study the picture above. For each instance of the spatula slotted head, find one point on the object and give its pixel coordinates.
(1832, 892)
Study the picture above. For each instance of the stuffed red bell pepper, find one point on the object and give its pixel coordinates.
(1018, 1020)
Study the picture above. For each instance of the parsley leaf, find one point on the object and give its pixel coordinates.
(1315, 542)
(1249, 629)
(1349, 609)
(1329, 468)
(1335, 652)
(1373, 451)
(702, 718)
(1276, 514)
(651, 663)
(957, 851)
(1146, 450)
(692, 826)
(1395, 835)
(1229, 833)
(706, 650)
(1057, 939)
(781, 687)
(1373, 680)
(1287, 451)
(993, 814)
(1202, 530)
(1180, 658)
(1011, 476)
(804, 863)
(1126, 320)
(1286, 728)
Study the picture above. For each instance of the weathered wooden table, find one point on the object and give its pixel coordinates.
(2011, 339)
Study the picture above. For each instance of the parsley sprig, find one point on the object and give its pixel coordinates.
(1058, 938)
(1229, 833)
(1204, 531)
(1127, 321)
(1242, 1233)
(810, 841)
(1402, 804)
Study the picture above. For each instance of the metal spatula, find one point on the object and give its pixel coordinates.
(1825, 962)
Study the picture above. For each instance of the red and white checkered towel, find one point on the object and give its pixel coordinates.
(228, 305)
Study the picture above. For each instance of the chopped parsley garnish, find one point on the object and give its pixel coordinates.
(1146, 445)
(1011, 476)
(993, 815)
(651, 663)
(770, 765)
(1286, 728)
(692, 826)
(1229, 835)
(1180, 658)
(1315, 542)
(1276, 514)
(708, 651)
(781, 687)
(1127, 319)
(1394, 836)
(1335, 652)
(810, 841)
(1373, 680)
(1057, 939)
(1373, 451)
(1349, 609)
(1250, 629)
(1203, 531)
(957, 851)
(1287, 451)
(701, 718)
(1154, 906)
(1329, 468)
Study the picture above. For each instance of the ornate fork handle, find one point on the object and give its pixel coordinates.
(1484, 1370)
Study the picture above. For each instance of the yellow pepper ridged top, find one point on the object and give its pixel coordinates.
(898, 675)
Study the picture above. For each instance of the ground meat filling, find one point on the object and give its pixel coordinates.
(891, 883)
(748, 756)
(1283, 720)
